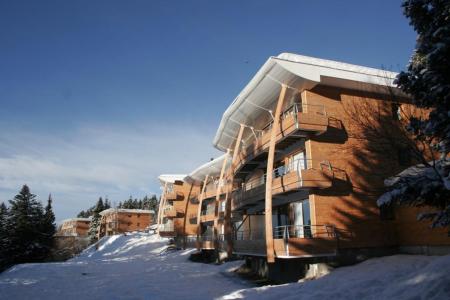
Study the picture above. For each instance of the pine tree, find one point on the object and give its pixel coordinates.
(154, 204)
(4, 237)
(427, 80)
(95, 221)
(48, 225)
(106, 205)
(25, 216)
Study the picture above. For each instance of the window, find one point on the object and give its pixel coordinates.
(138, 224)
(139, 215)
(387, 212)
(129, 216)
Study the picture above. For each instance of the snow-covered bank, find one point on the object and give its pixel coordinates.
(133, 267)
(123, 267)
(393, 277)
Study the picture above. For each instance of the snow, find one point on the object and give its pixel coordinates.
(137, 267)
(392, 277)
(414, 175)
(123, 267)
(125, 210)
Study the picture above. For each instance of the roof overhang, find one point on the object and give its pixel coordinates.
(170, 178)
(211, 168)
(299, 73)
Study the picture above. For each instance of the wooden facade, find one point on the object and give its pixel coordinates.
(304, 175)
(118, 220)
(74, 227)
(179, 209)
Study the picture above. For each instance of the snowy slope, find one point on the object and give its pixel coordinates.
(393, 277)
(123, 267)
(132, 267)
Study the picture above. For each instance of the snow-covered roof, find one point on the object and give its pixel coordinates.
(299, 72)
(124, 210)
(170, 178)
(76, 220)
(211, 168)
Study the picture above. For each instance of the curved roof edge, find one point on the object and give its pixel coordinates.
(212, 168)
(170, 178)
(312, 71)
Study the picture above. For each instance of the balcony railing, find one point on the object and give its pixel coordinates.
(167, 227)
(303, 231)
(210, 210)
(208, 214)
(298, 120)
(297, 174)
(290, 241)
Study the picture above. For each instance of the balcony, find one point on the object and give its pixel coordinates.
(170, 212)
(166, 230)
(207, 241)
(194, 200)
(300, 120)
(290, 241)
(208, 215)
(192, 219)
(297, 175)
(174, 196)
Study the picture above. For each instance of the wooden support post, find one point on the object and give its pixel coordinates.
(199, 211)
(216, 209)
(186, 209)
(160, 208)
(269, 176)
(230, 179)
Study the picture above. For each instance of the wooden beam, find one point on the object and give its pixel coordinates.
(216, 209)
(230, 179)
(160, 208)
(191, 187)
(199, 211)
(269, 176)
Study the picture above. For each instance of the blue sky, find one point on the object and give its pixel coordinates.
(99, 97)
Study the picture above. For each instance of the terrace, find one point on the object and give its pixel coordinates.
(290, 241)
(298, 174)
(298, 121)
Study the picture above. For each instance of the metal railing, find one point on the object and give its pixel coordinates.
(166, 227)
(291, 111)
(207, 236)
(248, 188)
(303, 231)
(292, 166)
(210, 209)
(168, 207)
(288, 231)
(249, 235)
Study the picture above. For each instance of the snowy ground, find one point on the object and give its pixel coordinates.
(131, 267)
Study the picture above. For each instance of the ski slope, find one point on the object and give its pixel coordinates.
(136, 267)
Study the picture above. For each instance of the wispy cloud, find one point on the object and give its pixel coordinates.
(94, 161)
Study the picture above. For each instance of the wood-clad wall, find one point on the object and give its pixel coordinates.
(358, 176)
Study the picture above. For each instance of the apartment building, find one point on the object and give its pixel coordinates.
(307, 174)
(210, 180)
(74, 227)
(119, 220)
(303, 170)
(177, 208)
